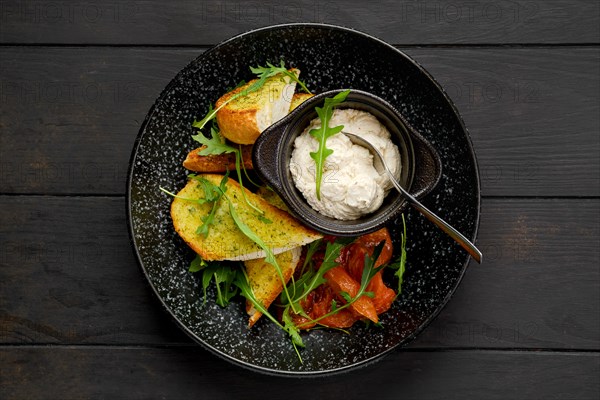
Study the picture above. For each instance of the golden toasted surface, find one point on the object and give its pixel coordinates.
(265, 282)
(224, 240)
(222, 162)
(216, 162)
(270, 196)
(242, 119)
(298, 99)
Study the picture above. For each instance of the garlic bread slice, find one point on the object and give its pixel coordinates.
(265, 282)
(262, 276)
(222, 162)
(224, 240)
(243, 119)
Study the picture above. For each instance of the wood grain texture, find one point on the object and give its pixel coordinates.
(77, 318)
(208, 22)
(69, 116)
(535, 126)
(538, 285)
(68, 276)
(183, 372)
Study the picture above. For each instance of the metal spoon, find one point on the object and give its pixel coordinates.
(380, 166)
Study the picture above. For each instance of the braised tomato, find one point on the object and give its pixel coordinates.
(344, 280)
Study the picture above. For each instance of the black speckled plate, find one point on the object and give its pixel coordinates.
(329, 57)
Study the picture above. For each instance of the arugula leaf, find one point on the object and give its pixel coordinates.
(312, 279)
(212, 113)
(270, 70)
(334, 305)
(224, 276)
(211, 192)
(270, 257)
(242, 282)
(244, 168)
(292, 330)
(311, 249)
(263, 73)
(214, 193)
(324, 132)
(369, 271)
(400, 264)
(207, 221)
(197, 264)
(214, 145)
(238, 162)
(346, 296)
(239, 84)
(198, 201)
(332, 252)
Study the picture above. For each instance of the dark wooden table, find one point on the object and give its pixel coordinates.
(77, 319)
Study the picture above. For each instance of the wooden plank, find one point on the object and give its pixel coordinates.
(69, 116)
(529, 291)
(68, 276)
(183, 372)
(208, 22)
(534, 122)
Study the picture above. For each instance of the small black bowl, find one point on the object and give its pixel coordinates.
(272, 152)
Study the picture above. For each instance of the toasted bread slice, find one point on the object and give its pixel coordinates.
(225, 241)
(217, 162)
(223, 162)
(273, 198)
(261, 274)
(299, 98)
(265, 282)
(243, 119)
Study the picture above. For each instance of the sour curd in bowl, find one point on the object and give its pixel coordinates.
(351, 187)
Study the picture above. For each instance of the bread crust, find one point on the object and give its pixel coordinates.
(239, 126)
(265, 282)
(217, 162)
(237, 119)
(298, 99)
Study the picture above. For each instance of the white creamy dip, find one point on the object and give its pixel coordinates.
(350, 187)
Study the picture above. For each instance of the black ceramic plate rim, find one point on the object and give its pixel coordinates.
(248, 365)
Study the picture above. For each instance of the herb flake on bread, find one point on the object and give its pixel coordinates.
(224, 240)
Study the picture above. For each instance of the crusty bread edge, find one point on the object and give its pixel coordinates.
(240, 125)
(255, 314)
(218, 162)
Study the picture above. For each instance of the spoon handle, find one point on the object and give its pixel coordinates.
(380, 164)
(443, 225)
(453, 233)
